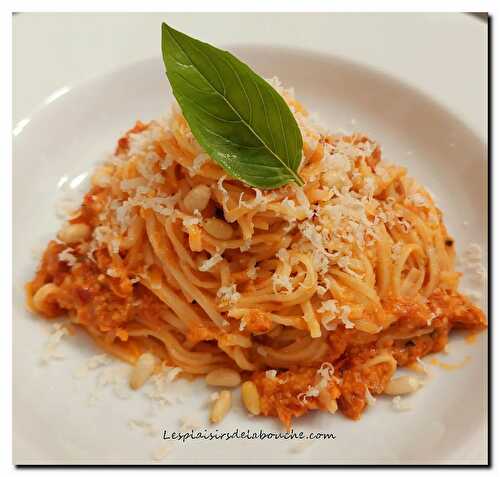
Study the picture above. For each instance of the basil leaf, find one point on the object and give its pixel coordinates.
(237, 117)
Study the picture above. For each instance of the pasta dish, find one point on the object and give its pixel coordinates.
(310, 296)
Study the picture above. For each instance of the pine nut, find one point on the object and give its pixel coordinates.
(218, 228)
(251, 397)
(73, 233)
(402, 385)
(142, 371)
(223, 377)
(221, 406)
(42, 294)
(197, 198)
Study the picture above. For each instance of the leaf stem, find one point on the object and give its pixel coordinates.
(298, 179)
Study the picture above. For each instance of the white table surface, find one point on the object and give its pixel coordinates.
(56, 50)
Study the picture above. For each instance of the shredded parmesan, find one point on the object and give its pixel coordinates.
(228, 295)
(112, 272)
(190, 220)
(398, 405)
(51, 351)
(345, 312)
(396, 250)
(328, 306)
(149, 428)
(370, 400)
(418, 200)
(281, 282)
(259, 200)
(67, 256)
(330, 311)
(271, 374)
(433, 316)
(225, 193)
(321, 290)
(92, 363)
(162, 452)
(326, 374)
(207, 265)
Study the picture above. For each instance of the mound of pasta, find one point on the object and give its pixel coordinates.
(312, 295)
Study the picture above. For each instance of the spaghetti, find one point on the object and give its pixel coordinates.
(314, 294)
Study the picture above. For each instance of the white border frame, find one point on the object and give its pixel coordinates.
(195, 5)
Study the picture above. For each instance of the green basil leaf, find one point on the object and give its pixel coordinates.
(237, 117)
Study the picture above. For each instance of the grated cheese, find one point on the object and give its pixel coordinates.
(370, 400)
(326, 374)
(190, 220)
(257, 201)
(214, 396)
(312, 391)
(172, 373)
(433, 316)
(271, 374)
(328, 306)
(114, 376)
(329, 319)
(207, 265)
(228, 295)
(198, 162)
(396, 250)
(346, 310)
(67, 256)
(158, 388)
(418, 200)
(246, 246)
(422, 365)
(281, 282)
(112, 272)
(92, 363)
(162, 452)
(51, 351)
(321, 290)
(398, 405)
(225, 193)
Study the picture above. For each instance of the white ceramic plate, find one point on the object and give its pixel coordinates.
(54, 422)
